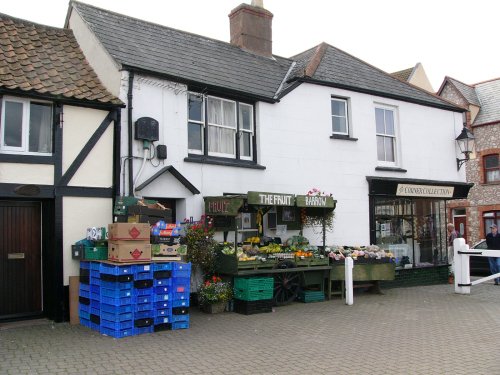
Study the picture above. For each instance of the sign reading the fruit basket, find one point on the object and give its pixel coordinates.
(270, 199)
(315, 201)
(424, 191)
(222, 206)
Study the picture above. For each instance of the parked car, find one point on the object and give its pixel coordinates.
(479, 266)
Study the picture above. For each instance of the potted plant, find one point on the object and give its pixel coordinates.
(214, 294)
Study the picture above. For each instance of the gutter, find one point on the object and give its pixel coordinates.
(129, 126)
(377, 93)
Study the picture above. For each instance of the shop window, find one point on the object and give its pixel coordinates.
(26, 126)
(385, 121)
(220, 128)
(413, 230)
(491, 168)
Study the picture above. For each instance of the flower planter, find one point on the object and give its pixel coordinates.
(214, 308)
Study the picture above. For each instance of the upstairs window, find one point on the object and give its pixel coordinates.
(340, 121)
(386, 135)
(220, 127)
(491, 168)
(26, 126)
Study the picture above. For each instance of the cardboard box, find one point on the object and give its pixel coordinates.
(166, 250)
(129, 231)
(129, 251)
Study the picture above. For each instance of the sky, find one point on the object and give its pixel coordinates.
(456, 38)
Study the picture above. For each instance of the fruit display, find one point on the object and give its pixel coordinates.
(371, 253)
(296, 248)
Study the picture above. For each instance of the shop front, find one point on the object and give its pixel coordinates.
(408, 218)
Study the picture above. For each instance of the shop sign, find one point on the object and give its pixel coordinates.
(223, 206)
(315, 201)
(270, 199)
(429, 191)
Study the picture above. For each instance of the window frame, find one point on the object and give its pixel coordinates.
(201, 123)
(238, 130)
(222, 126)
(26, 114)
(242, 130)
(394, 136)
(346, 103)
(486, 170)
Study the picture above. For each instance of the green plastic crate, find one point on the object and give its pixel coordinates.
(96, 253)
(254, 283)
(311, 296)
(254, 295)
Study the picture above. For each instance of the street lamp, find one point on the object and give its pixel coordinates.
(465, 142)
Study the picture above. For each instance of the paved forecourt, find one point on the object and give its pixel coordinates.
(419, 330)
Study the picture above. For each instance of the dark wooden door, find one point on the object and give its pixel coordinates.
(460, 223)
(20, 259)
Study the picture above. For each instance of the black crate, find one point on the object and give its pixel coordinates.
(143, 284)
(85, 279)
(84, 301)
(84, 272)
(163, 327)
(180, 310)
(121, 219)
(162, 274)
(95, 319)
(166, 240)
(117, 278)
(253, 307)
(146, 322)
(77, 251)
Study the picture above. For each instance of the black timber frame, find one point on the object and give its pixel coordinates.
(55, 294)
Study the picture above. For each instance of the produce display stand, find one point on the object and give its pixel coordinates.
(290, 275)
(365, 274)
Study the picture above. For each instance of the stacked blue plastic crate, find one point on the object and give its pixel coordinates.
(125, 300)
(116, 299)
(162, 283)
(84, 294)
(171, 283)
(143, 299)
(181, 276)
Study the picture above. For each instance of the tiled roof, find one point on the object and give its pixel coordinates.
(191, 58)
(489, 97)
(403, 74)
(466, 90)
(47, 61)
(339, 69)
(184, 56)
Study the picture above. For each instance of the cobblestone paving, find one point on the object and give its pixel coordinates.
(419, 330)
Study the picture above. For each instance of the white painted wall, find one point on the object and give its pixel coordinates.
(79, 125)
(78, 215)
(19, 173)
(102, 63)
(295, 147)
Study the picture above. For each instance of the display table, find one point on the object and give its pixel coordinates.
(369, 273)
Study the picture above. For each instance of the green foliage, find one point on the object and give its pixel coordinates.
(214, 290)
(201, 245)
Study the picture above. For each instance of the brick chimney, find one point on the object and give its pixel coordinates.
(251, 28)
